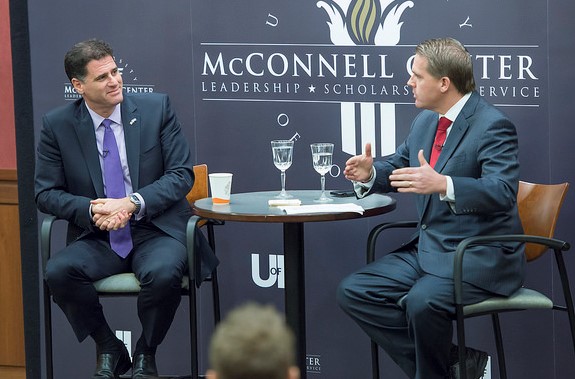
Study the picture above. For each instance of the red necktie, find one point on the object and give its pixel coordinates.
(440, 136)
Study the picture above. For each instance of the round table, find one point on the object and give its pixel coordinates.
(254, 207)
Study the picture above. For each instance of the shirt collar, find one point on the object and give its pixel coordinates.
(454, 111)
(116, 116)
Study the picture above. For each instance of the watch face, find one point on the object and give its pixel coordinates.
(134, 199)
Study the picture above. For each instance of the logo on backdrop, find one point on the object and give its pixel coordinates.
(366, 23)
(364, 70)
(313, 364)
(273, 271)
(130, 79)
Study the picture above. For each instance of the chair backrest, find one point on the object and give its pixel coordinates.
(539, 206)
(200, 188)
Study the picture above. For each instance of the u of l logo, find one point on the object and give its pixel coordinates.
(275, 270)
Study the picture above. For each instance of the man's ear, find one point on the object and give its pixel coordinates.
(77, 84)
(211, 374)
(445, 83)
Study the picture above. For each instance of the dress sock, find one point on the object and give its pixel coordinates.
(143, 348)
(106, 341)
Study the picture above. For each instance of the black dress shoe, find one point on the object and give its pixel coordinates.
(112, 365)
(144, 367)
(475, 362)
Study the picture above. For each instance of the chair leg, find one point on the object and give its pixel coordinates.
(215, 286)
(566, 293)
(193, 331)
(374, 360)
(461, 341)
(216, 297)
(48, 333)
(499, 345)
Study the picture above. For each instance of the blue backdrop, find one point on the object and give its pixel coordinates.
(243, 73)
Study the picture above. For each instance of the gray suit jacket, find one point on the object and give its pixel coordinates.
(480, 155)
(68, 173)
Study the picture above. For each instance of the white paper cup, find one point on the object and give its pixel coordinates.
(220, 185)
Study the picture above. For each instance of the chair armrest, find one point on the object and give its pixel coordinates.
(209, 221)
(372, 238)
(46, 238)
(552, 243)
(193, 259)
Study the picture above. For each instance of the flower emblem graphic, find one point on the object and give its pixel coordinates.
(364, 22)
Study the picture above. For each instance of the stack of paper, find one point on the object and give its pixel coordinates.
(322, 208)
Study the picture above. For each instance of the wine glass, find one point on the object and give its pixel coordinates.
(282, 151)
(322, 155)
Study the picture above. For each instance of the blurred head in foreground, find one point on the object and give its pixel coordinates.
(253, 342)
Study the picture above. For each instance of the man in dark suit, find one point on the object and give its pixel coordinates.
(154, 173)
(471, 189)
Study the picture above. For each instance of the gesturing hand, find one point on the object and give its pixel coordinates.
(423, 179)
(358, 168)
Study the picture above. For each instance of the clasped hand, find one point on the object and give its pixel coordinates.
(111, 214)
(422, 180)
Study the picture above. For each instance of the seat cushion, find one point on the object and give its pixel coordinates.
(120, 283)
(524, 298)
(125, 283)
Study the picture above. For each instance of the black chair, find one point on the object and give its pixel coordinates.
(539, 207)
(127, 285)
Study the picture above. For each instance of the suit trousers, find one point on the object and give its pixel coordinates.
(158, 261)
(418, 334)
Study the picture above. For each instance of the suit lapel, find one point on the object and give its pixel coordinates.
(456, 134)
(458, 130)
(429, 137)
(84, 128)
(132, 126)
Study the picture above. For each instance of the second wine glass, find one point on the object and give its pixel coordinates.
(322, 155)
(282, 151)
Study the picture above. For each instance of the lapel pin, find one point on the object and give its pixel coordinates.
(132, 121)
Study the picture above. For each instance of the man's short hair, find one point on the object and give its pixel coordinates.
(78, 57)
(253, 342)
(448, 57)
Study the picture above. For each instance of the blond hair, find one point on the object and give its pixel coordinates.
(253, 342)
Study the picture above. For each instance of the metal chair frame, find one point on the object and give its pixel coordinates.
(538, 241)
(131, 286)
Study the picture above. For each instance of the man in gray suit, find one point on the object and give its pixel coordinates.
(117, 168)
(467, 187)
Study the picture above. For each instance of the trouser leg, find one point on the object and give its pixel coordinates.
(418, 337)
(370, 296)
(159, 264)
(70, 274)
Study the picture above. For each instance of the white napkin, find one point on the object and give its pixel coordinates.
(280, 202)
(322, 208)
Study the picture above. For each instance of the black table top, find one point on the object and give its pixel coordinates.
(254, 207)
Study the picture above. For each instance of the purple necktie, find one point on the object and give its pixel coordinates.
(121, 239)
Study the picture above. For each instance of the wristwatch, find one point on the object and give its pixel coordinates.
(136, 201)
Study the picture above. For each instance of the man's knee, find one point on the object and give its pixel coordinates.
(421, 305)
(161, 276)
(57, 273)
(345, 294)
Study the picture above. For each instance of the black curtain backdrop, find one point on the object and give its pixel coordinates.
(25, 151)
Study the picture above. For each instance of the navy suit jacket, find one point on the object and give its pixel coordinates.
(480, 155)
(68, 172)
